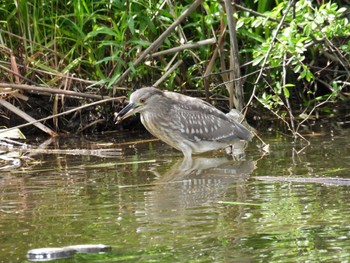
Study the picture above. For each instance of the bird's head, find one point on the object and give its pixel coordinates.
(140, 101)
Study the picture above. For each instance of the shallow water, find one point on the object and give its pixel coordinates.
(150, 207)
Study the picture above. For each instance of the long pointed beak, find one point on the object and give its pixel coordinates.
(126, 112)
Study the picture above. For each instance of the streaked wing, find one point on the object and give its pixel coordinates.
(197, 120)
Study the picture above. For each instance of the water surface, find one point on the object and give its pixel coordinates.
(150, 207)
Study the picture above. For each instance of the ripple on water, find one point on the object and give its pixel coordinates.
(154, 213)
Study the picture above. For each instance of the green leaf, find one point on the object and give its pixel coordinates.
(100, 30)
(286, 92)
(109, 43)
(113, 80)
(297, 68)
(140, 42)
(131, 25)
(303, 73)
(256, 23)
(309, 76)
(239, 24)
(111, 58)
(257, 60)
(341, 10)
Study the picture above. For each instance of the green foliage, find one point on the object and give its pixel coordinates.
(306, 42)
(99, 40)
(102, 36)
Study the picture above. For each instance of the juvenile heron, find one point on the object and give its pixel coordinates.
(188, 124)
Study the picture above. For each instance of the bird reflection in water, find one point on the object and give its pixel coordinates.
(198, 182)
(191, 126)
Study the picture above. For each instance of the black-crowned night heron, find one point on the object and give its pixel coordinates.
(188, 124)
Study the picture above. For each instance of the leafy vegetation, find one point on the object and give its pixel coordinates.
(307, 63)
(289, 68)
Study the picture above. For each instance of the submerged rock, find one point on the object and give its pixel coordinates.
(50, 253)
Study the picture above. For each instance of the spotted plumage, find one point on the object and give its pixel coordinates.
(188, 124)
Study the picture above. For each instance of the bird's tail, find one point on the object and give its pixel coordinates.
(237, 116)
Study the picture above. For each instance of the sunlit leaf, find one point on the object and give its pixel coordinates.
(297, 68)
(286, 92)
(101, 30)
(140, 42)
(257, 60)
(115, 57)
(131, 25)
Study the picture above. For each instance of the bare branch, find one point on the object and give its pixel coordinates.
(209, 41)
(50, 91)
(234, 62)
(166, 74)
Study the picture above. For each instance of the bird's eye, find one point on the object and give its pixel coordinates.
(142, 100)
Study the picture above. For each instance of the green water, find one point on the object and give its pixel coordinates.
(149, 208)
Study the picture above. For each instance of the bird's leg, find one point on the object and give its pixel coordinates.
(186, 164)
(229, 149)
(236, 150)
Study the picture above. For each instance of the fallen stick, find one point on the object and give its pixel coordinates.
(26, 117)
(320, 180)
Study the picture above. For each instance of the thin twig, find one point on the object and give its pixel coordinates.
(167, 73)
(335, 50)
(291, 3)
(31, 42)
(209, 41)
(57, 74)
(208, 71)
(254, 12)
(16, 74)
(284, 82)
(313, 109)
(242, 77)
(45, 90)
